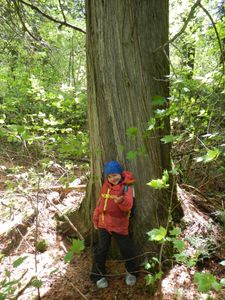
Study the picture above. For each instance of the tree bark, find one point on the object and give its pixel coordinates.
(124, 73)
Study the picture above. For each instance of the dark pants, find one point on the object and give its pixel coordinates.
(126, 248)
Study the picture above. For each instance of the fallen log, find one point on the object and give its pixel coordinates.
(59, 188)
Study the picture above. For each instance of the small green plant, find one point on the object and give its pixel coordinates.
(76, 248)
(162, 236)
(212, 154)
(41, 246)
(8, 286)
(206, 282)
(160, 183)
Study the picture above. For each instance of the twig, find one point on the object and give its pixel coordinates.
(62, 11)
(169, 60)
(190, 16)
(210, 179)
(134, 257)
(121, 274)
(167, 227)
(216, 31)
(62, 23)
(21, 291)
(68, 220)
(60, 188)
(22, 22)
(195, 189)
(76, 288)
(23, 239)
(36, 234)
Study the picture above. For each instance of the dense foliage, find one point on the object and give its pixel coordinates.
(43, 78)
(197, 96)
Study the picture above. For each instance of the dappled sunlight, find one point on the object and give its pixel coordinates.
(29, 223)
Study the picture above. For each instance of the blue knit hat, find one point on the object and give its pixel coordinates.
(112, 167)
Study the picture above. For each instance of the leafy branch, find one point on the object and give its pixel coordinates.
(62, 23)
(182, 30)
(216, 31)
(17, 9)
(62, 11)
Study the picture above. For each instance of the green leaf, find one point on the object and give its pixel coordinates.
(161, 113)
(209, 156)
(150, 279)
(181, 257)
(165, 176)
(36, 283)
(170, 138)
(2, 296)
(222, 281)
(158, 100)
(155, 259)
(77, 246)
(158, 275)
(191, 262)
(216, 286)
(131, 155)
(160, 183)
(157, 234)
(54, 271)
(151, 123)
(132, 131)
(69, 256)
(1, 256)
(19, 261)
(179, 245)
(148, 266)
(157, 184)
(175, 231)
(7, 273)
(175, 171)
(206, 281)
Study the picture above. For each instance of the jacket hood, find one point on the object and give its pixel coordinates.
(128, 178)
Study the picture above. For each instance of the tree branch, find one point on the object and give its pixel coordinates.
(62, 11)
(22, 22)
(68, 220)
(22, 290)
(216, 31)
(62, 23)
(190, 16)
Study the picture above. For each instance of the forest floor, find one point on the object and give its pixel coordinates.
(28, 214)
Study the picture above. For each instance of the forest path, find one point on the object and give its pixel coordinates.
(28, 216)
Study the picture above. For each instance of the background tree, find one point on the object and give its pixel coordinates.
(43, 86)
(43, 79)
(197, 103)
(127, 88)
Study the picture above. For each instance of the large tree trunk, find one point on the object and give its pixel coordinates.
(124, 74)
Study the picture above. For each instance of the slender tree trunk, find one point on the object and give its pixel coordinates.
(124, 74)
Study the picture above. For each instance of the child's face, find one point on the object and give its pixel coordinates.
(114, 179)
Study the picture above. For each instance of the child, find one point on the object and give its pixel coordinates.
(111, 218)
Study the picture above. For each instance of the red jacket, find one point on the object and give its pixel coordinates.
(115, 216)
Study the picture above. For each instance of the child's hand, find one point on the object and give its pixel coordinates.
(117, 199)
